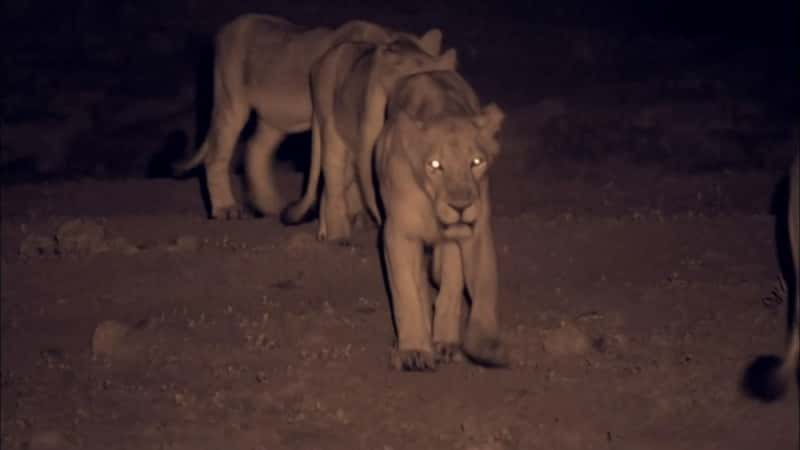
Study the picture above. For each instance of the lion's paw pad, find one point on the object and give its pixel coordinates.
(228, 213)
(413, 360)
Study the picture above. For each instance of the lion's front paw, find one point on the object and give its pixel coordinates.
(413, 360)
(487, 351)
(447, 352)
(341, 242)
(340, 238)
(233, 212)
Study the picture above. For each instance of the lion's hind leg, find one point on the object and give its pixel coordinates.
(356, 210)
(334, 221)
(228, 118)
(259, 168)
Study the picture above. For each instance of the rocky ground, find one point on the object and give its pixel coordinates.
(637, 200)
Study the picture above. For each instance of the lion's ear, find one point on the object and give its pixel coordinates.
(490, 119)
(431, 41)
(448, 60)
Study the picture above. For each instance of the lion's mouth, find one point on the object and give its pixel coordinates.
(459, 230)
(457, 221)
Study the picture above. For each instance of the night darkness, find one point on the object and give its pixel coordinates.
(638, 212)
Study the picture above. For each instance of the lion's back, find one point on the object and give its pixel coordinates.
(430, 95)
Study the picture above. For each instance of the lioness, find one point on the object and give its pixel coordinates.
(768, 377)
(263, 62)
(349, 86)
(431, 161)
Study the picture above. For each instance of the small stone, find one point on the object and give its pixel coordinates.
(107, 336)
(45, 440)
(37, 245)
(81, 236)
(122, 245)
(566, 340)
(184, 244)
(300, 241)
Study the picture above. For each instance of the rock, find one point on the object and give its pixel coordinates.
(566, 340)
(45, 440)
(122, 245)
(184, 244)
(299, 241)
(107, 337)
(81, 236)
(37, 245)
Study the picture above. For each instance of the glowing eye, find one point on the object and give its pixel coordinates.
(477, 161)
(435, 164)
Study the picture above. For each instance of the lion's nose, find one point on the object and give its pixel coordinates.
(460, 205)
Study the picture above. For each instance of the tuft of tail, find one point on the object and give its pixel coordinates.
(299, 211)
(185, 165)
(296, 213)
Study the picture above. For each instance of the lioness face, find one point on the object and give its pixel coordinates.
(458, 156)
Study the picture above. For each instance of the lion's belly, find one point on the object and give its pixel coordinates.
(276, 77)
(287, 108)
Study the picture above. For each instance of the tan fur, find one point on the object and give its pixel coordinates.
(435, 116)
(349, 86)
(263, 63)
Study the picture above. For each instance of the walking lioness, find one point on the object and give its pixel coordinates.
(263, 62)
(431, 162)
(768, 377)
(349, 87)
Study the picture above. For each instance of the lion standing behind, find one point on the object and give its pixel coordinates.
(349, 86)
(263, 62)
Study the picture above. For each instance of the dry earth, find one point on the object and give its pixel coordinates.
(635, 219)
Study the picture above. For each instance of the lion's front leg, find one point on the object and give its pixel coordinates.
(448, 274)
(482, 338)
(410, 302)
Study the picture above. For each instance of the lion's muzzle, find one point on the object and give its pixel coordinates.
(457, 218)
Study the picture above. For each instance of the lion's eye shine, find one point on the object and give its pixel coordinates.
(435, 164)
(477, 161)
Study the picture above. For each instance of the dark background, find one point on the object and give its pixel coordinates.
(118, 89)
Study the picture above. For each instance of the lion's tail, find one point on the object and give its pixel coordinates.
(366, 180)
(298, 211)
(792, 358)
(185, 165)
(768, 378)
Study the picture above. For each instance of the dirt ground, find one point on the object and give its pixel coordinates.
(637, 222)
